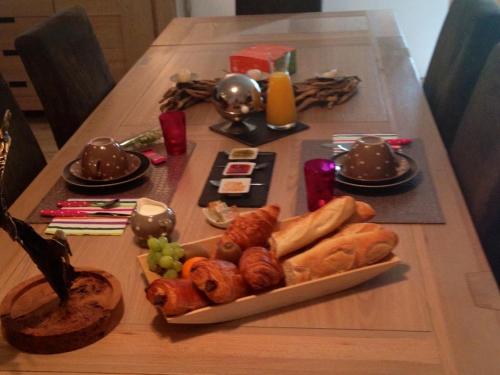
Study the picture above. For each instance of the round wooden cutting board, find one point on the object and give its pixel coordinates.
(34, 321)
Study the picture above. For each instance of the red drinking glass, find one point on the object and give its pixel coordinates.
(173, 126)
(320, 179)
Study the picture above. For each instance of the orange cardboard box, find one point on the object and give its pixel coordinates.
(257, 57)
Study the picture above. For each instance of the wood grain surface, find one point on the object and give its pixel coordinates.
(269, 28)
(426, 316)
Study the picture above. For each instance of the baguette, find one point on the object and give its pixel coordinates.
(357, 245)
(359, 228)
(363, 212)
(315, 225)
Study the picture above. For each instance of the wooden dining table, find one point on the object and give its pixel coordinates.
(438, 312)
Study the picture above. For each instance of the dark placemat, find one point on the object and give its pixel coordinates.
(257, 197)
(159, 184)
(262, 134)
(413, 202)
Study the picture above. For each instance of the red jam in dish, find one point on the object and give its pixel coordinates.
(238, 169)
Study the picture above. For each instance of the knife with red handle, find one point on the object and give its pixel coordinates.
(78, 213)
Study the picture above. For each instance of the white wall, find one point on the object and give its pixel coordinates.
(419, 20)
(202, 8)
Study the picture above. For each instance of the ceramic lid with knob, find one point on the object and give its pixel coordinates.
(370, 158)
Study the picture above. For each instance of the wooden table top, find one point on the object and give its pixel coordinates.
(265, 28)
(438, 313)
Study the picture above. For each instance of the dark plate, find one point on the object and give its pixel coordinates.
(403, 168)
(396, 181)
(139, 173)
(134, 163)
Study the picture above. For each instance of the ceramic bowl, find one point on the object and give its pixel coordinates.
(152, 218)
(104, 159)
(234, 186)
(244, 153)
(238, 169)
(370, 158)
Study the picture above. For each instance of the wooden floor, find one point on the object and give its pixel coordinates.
(43, 134)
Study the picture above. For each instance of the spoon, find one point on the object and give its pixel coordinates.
(217, 183)
(110, 204)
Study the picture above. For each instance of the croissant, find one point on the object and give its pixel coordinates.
(175, 297)
(260, 268)
(220, 280)
(252, 229)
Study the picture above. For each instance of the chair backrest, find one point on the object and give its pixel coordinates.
(67, 67)
(276, 6)
(25, 159)
(475, 155)
(470, 30)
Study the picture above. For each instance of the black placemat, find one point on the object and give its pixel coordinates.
(413, 202)
(261, 135)
(257, 197)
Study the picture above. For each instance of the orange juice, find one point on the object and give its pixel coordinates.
(280, 109)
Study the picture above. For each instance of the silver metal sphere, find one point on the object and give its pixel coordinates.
(236, 96)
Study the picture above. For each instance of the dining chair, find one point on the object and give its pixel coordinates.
(276, 6)
(25, 159)
(475, 155)
(470, 30)
(67, 67)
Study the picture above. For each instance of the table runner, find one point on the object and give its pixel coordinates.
(415, 202)
(160, 184)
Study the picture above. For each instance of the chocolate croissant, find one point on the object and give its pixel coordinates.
(252, 229)
(260, 268)
(175, 297)
(220, 280)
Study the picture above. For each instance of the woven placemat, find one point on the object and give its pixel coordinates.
(257, 197)
(414, 202)
(159, 184)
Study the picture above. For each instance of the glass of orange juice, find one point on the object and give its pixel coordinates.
(281, 113)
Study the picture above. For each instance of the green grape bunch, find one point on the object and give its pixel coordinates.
(165, 257)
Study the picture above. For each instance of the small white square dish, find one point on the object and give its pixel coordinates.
(234, 186)
(240, 168)
(244, 153)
